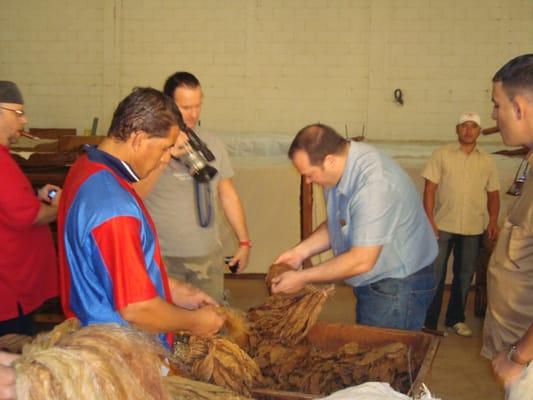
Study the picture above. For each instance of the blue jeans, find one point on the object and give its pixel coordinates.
(465, 252)
(396, 303)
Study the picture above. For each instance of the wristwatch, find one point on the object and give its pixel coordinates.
(514, 356)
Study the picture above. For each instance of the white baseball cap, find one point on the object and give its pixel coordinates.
(469, 116)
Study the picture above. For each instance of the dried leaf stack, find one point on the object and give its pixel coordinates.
(287, 318)
(220, 361)
(97, 362)
(187, 389)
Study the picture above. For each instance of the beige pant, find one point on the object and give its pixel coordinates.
(205, 273)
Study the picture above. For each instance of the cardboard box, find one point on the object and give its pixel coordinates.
(329, 337)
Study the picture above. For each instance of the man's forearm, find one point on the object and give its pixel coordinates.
(232, 206)
(429, 201)
(156, 315)
(493, 206)
(356, 261)
(45, 215)
(316, 243)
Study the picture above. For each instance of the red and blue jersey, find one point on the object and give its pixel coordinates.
(109, 254)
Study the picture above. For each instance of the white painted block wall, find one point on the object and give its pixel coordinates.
(267, 66)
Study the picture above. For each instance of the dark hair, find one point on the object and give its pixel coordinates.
(318, 141)
(180, 79)
(145, 109)
(517, 76)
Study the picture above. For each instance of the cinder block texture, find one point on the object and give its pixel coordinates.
(267, 66)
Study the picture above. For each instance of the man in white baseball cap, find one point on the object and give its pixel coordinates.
(470, 116)
(461, 180)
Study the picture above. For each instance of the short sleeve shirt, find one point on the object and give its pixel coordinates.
(28, 264)
(376, 203)
(109, 253)
(463, 182)
(510, 275)
(172, 204)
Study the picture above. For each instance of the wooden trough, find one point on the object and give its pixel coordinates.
(331, 336)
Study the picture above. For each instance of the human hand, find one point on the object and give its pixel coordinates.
(290, 257)
(44, 192)
(241, 256)
(180, 145)
(7, 376)
(492, 231)
(209, 321)
(505, 370)
(288, 282)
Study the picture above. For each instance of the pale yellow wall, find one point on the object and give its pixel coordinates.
(267, 66)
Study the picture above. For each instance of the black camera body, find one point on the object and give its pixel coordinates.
(197, 157)
(197, 144)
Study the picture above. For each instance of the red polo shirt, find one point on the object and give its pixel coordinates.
(28, 267)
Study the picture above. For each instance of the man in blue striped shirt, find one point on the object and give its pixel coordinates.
(382, 242)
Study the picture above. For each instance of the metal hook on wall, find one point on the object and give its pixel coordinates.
(398, 96)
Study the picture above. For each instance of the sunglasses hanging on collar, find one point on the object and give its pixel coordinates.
(520, 178)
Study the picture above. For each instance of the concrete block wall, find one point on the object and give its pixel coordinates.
(54, 50)
(267, 66)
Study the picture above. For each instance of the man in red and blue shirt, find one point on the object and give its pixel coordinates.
(110, 261)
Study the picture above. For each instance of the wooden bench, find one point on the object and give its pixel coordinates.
(52, 133)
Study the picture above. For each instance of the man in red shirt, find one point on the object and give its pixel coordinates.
(28, 267)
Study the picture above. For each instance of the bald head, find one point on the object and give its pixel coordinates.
(318, 141)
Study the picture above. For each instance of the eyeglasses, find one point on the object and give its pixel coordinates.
(19, 113)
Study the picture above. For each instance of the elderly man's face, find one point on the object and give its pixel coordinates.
(11, 124)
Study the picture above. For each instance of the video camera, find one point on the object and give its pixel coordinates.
(197, 157)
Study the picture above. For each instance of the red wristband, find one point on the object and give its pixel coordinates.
(245, 243)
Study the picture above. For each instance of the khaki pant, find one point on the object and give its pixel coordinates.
(205, 273)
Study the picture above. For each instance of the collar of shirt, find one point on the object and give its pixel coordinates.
(118, 166)
(458, 147)
(351, 173)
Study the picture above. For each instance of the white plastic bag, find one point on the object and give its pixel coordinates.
(376, 391)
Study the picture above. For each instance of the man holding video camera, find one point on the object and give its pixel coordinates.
(189, 236)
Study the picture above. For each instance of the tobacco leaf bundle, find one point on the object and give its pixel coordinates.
(96, 362)
(219, 361)
(287, 318)
(310, 370)
(13, 343)
(49, 339)
(288, 362)
(181, 388)
(236, 327)
(275, 270)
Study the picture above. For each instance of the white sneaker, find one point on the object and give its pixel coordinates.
(462, 329)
